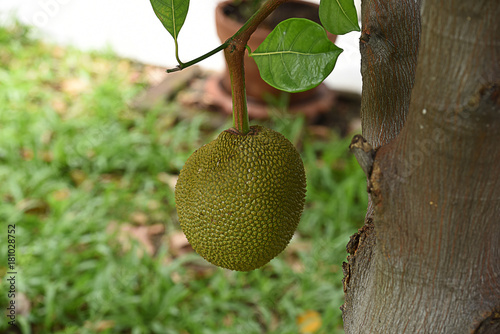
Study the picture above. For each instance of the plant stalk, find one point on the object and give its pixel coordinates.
(177, 53)
(234, 55)
(235, 64)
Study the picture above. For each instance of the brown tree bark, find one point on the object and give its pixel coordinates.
(428, 258)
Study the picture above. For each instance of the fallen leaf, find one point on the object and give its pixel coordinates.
(309, 322)
(154, 74)
(228, 320)
(101, 67)
(8, 198)
(27, 154)
(139, 218)
(147, 236)
(124, 66)
(23, 304)
(78, 176)
(156, 229)
(320, 131)
(111, 178)
(61, 194)
(292, 255)
(134, 77)
(100, 326)
(275, 322)
(200, 269)
(178, 244)
(33, 206)
(168, 179)
(46, 137)
(195, 269)
(58, 52)
(159, 216)
(59, 106)
(153, 204)
(176, 277)
(47, 156)
(74, 86)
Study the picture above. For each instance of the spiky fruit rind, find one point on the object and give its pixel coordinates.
(239, 198)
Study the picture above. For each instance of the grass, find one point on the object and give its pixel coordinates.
(75, 159)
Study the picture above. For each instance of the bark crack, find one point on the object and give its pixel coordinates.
(364, 153)
(489, 325)
(359, 241)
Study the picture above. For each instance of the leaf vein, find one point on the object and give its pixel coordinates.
(345, 14)
(255, 54)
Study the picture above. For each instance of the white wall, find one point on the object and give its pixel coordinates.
(132, 30)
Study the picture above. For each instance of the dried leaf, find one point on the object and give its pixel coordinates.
(292, 255)
(153, 204)
(74, 86)
(320, 131)
(309, 322)
(78, 176)
(134, 77)
(178, 244)
(124, 66)
(61, 194)
(47, 156)
(168, 179)
(145, 235)
(101, 67)
(100, 326)
(27, 154)
(104, 325)
(111, 178)
(228, 320)
(58, 52)
(176, 277)
(47, 137)
(139, 218)
(33, 206)
(154, 74)
(196, 269)
(23, 304)
(59, 106)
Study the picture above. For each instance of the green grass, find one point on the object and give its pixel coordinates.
(72, 163)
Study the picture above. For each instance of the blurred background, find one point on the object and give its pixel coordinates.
(131, 30)
(93, 134)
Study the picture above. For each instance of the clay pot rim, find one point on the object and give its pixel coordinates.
(232, 25)
(262, 31)
(312, 102)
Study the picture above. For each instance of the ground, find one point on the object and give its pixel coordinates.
(87, 180)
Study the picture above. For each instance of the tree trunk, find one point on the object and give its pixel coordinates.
(428, 258)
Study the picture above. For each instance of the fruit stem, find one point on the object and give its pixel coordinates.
(236, 68)
(234, 55)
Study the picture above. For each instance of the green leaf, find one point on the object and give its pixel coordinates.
(296, 56)
(338, 16)
(171, 13)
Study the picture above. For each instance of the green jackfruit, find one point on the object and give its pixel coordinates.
(239, 198)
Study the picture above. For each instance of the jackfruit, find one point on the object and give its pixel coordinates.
(239, 198)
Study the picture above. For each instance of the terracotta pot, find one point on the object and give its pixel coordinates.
(258, 89)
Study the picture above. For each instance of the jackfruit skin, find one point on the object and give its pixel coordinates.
(239, 198)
